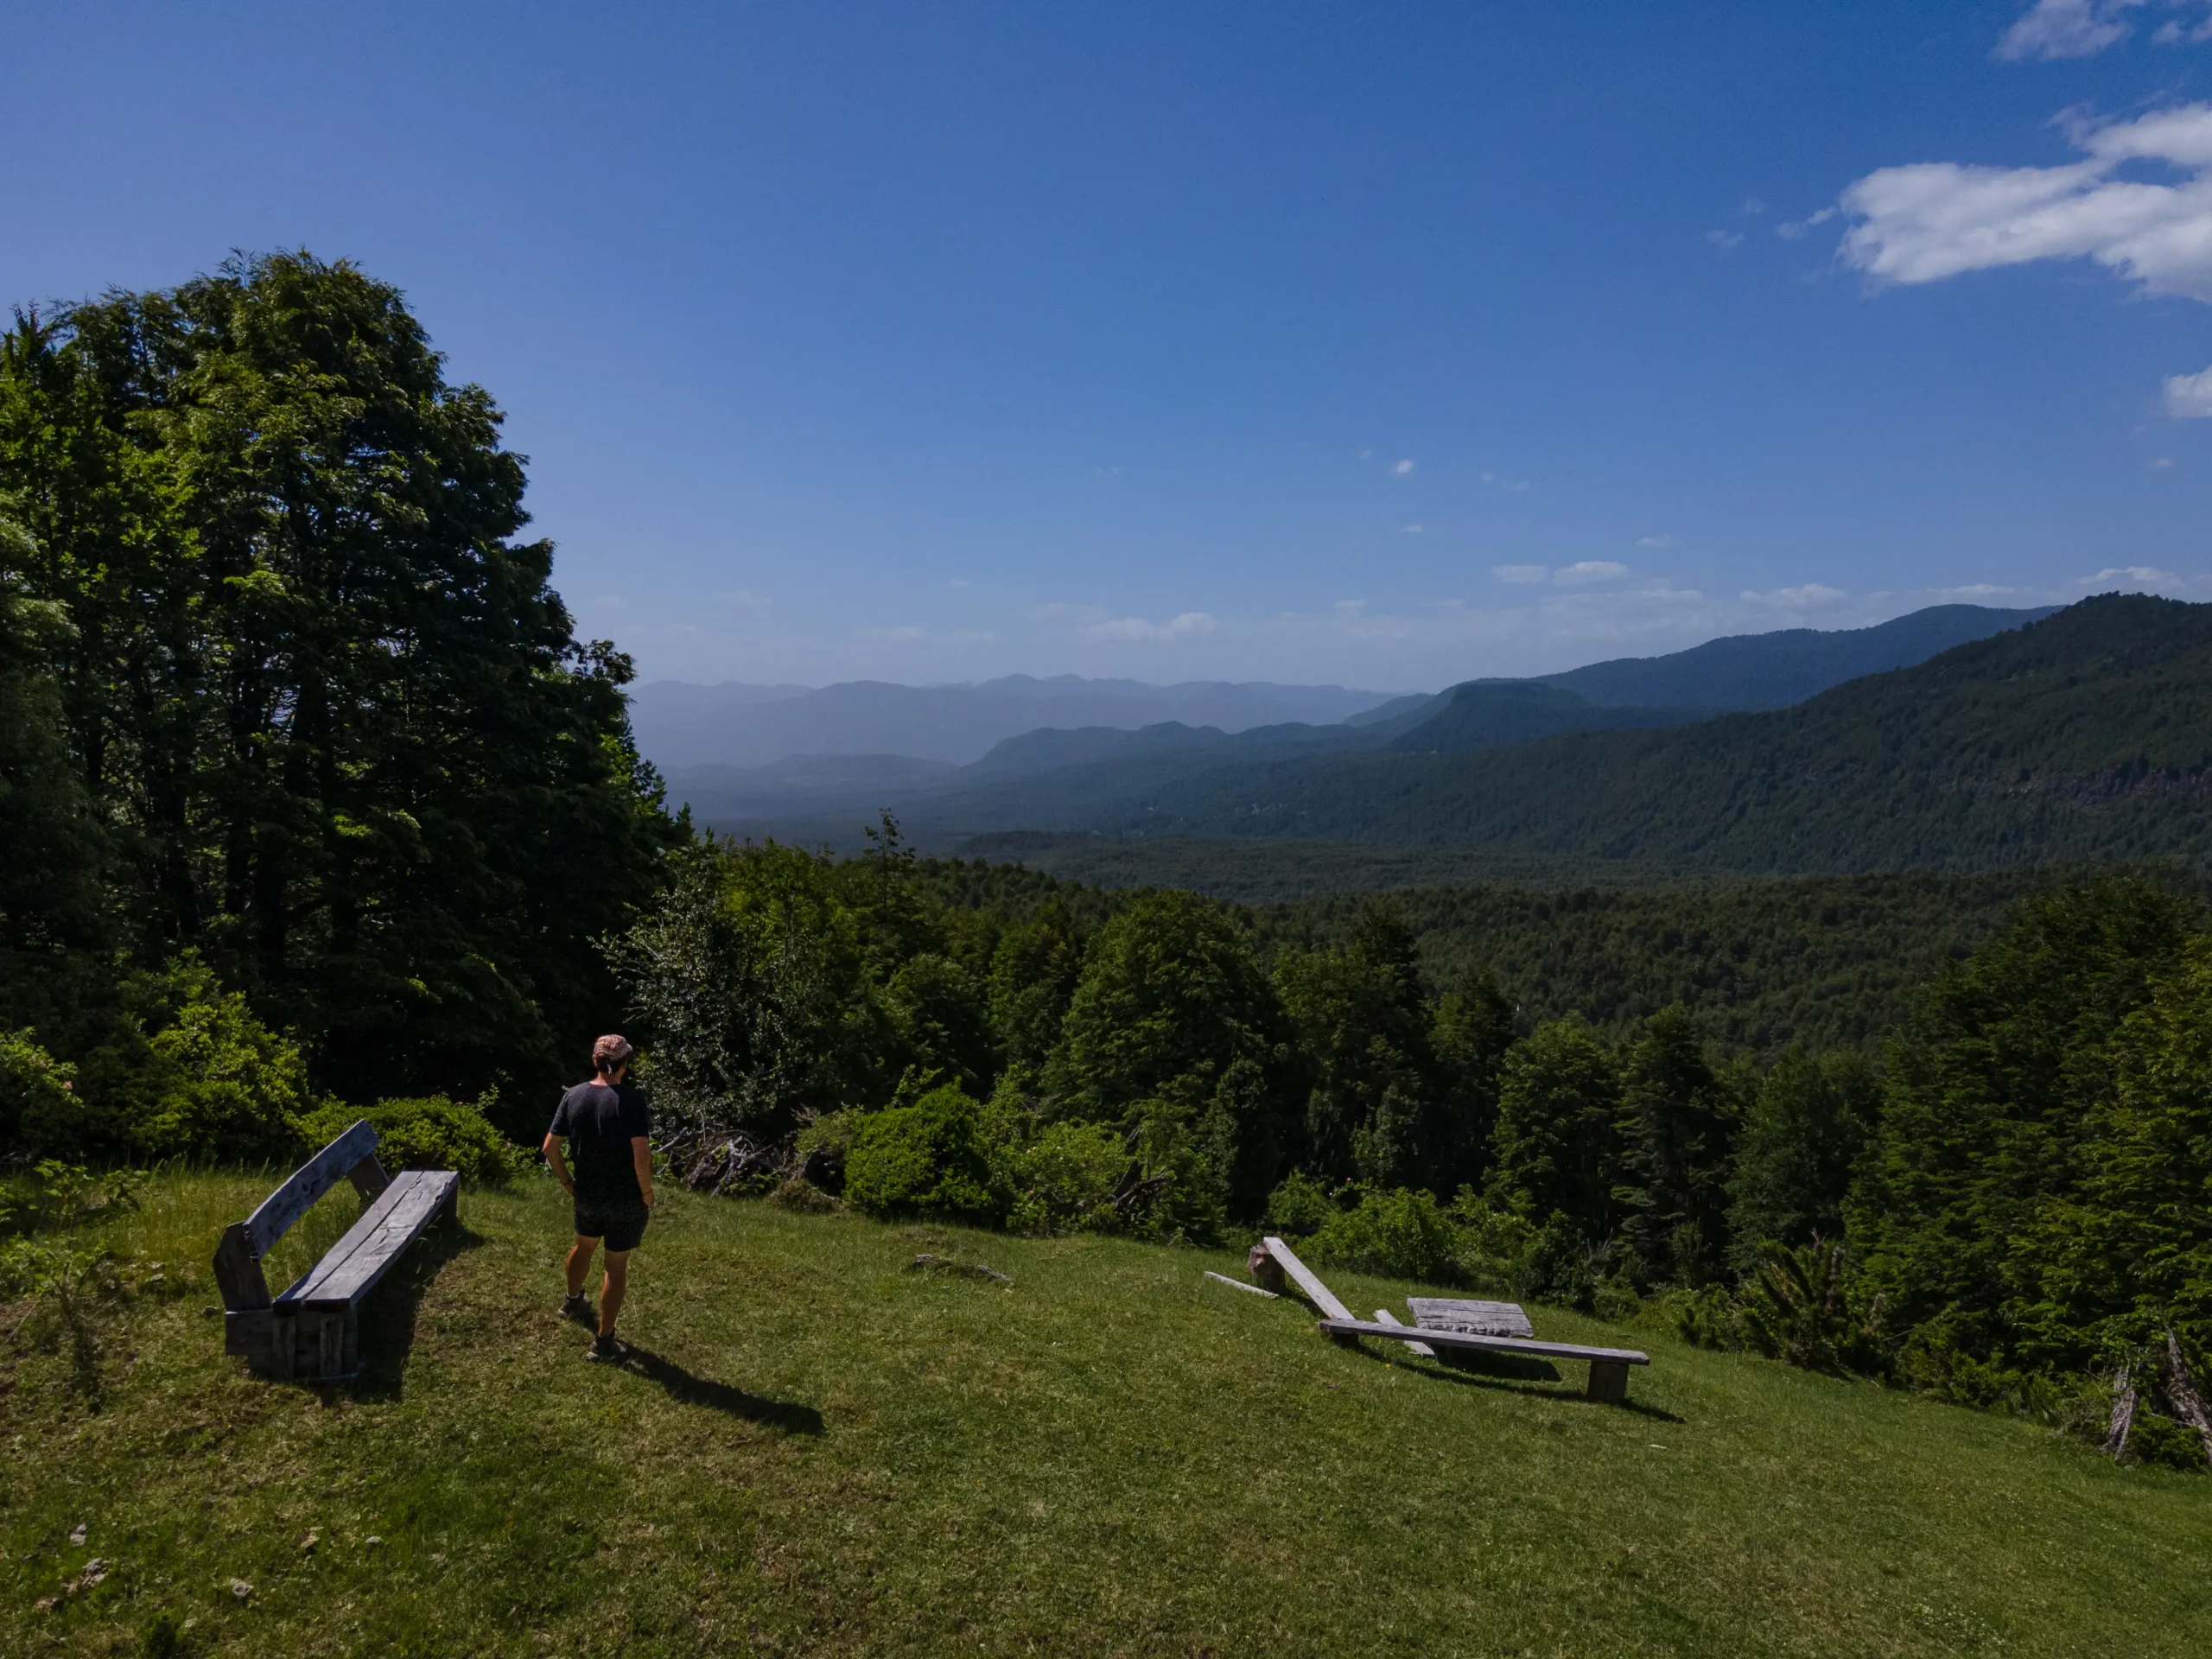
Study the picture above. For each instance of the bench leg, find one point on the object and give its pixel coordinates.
(1608, 1382)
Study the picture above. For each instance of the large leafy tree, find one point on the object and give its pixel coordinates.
(1801, 1141)
(1557, 1148)
(1363, 1023)
(1678, 1124)
(355, 755)
(1994, 1091)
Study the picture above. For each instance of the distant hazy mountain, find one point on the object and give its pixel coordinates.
(680, 726)
(1055, 770)
(2081, 738)
(1773, 671)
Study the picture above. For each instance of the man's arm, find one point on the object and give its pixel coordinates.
(641, 1154)
(558, 1164)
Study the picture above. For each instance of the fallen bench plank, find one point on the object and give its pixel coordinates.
(1301, 1275)
(1383, 1315)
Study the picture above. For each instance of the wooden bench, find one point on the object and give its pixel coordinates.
(313, 1331)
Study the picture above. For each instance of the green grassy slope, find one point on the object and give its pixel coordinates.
(827, 1453)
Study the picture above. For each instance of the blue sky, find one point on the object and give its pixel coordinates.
(1382, 344)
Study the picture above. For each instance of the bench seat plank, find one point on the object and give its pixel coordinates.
(386, 1228)
(1491, 1345)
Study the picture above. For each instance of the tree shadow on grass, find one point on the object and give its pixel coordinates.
(387, 1313)
(1508, 1374)
(687, 1389)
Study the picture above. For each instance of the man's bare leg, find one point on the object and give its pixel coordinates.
(610, 1292)
(580, 1254)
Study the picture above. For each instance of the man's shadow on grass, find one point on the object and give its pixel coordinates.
(387, 1313)
(687, 1389)
(1507, 1374)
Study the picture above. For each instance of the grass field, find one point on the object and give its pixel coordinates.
(822, 1451)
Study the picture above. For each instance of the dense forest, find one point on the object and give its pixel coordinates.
(312, 803)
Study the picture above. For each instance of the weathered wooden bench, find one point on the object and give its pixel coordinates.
(313, 1331)
(1452, 1325)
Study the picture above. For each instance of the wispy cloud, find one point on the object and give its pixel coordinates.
(1413, 530)
(1403, 468)
(2188, 396)
(1585, 571)
(2068, 28)
(1189, 625)
(1791, 229)
(1656, 541)
(1520, 573)
(1932, 220)
(2148, 574)
(1812, 596)
(1725, 240)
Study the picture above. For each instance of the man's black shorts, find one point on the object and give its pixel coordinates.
(619, 1225)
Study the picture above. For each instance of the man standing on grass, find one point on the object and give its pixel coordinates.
(609, 1132)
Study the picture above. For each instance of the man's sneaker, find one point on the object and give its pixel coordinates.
(578, 1307)
(607, 1348)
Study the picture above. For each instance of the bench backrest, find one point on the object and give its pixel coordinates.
(238, 1258)
(309, 1182)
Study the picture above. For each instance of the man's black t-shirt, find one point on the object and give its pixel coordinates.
(599, 1122)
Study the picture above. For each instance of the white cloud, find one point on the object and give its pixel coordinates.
(1520, 573)
(1930, 220)
(1189, 625)
(2147, 574)
(1791, 229)
(2068, 28)
(2178, 33)
(1811, 596)
(1418, 529)
(1753, 205)
(1656, 541)
(2188, 396)
(746, 597)
(1724, 240)
(1588, 571)
(2164, 463)
(1404, 469)
(1351, 609)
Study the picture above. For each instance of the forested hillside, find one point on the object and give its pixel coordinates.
(2084, 737)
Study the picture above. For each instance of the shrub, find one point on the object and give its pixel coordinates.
(925, 1159)
(1301, 1206)
(37, 1098)
(430, 1132)
(1066, 1180)
(823, 1144)
(803, 1197)
(186, 1070)
(1398, 1234)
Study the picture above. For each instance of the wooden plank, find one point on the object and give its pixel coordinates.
(238, 1270)
(1477, 1318)
(1488, 1344)
(1301, 1275)
(369, 1178)
(309, 1182)
(1238, 1284)
(350, 1271)
(1384, 1316)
